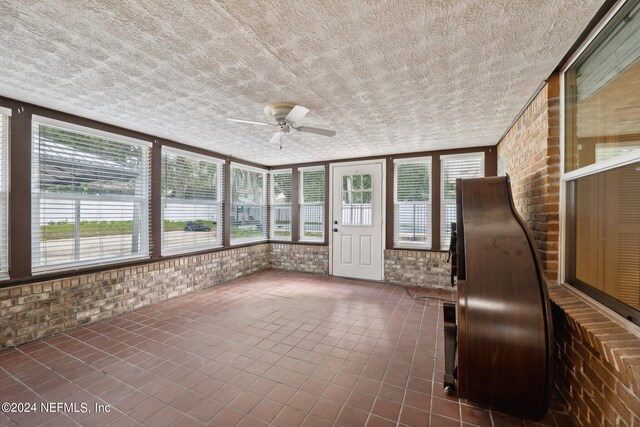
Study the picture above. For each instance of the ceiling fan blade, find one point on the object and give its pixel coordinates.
(296, 113)
(317, 131)
(251, 122)
(275, 139)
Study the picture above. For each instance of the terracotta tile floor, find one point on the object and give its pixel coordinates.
(275, 348)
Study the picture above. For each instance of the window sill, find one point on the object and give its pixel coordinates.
(607, 333)
(90, 264)
(416, 248)
(411, 247)
(234, 245)
(191, 250)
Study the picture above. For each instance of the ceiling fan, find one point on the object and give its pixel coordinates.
(284, 116)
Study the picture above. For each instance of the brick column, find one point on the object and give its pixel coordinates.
(531, 151)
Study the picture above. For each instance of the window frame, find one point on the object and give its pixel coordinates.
(218, 202)
(611, 163)
(444, 228)
(5, 118)
(273, 205)
(264, 205)
(302, 204)
(568, 180)
(145, 248)
(428, 245)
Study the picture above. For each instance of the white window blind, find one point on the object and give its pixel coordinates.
(621, 47)
(90, 196)
(248, 220)
(312, 190)
(281, 188)
(412, 203)
(4, 193)
(452, 167)
(191, 201)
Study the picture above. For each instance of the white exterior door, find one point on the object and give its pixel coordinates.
(357, 220)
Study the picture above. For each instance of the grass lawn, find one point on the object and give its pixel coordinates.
(65, 230)
(313, 226)
(237, 232)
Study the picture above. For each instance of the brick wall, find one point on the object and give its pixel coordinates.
(597, 363)
(31, 311)
(405, 267)
(418, 268)
(531, 153)
(304, 258)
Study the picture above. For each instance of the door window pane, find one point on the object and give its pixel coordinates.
(357, 202)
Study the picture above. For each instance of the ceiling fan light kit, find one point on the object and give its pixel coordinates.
(285, 115)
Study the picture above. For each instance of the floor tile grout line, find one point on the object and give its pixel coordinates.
(108, 355)
(279, 382)
(433, 373)
(415, 349)
(83, 387)
(32, 390)
(390, 317)
(337, 372)
(152, 339)
(347, 399)
(161, 342)
(386, 368)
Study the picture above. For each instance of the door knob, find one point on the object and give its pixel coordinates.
(335, 222)
(335, 229)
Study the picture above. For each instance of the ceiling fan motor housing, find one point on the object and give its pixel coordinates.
(278, 111)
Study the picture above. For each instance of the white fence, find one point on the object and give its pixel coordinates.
(356, 213)
(59, 210)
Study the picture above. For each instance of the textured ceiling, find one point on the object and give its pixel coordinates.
(388, 76)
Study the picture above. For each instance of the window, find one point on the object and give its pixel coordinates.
(248, 204)
(357, 208)
(281, 187)
(312, 190)
(90, 196)
(452, 167)
(602, 94)
(602, 165)
(605, 237)
(4, 192)
(412, 203)
(191, 201)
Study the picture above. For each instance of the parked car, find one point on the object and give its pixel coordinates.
(195, 226)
